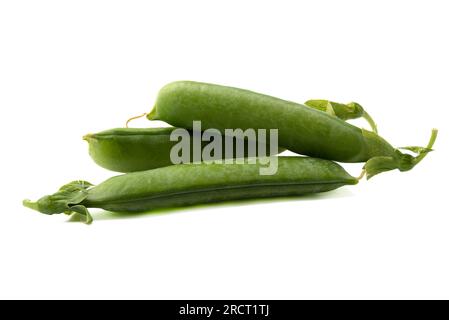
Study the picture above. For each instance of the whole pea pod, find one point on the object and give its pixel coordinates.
(302, 129)
(139, 149)
(195, 183)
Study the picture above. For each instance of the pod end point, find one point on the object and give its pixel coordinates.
(30, 204)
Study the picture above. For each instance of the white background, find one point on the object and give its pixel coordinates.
(72, 67)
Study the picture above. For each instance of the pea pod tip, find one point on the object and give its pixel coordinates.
(30, 204)
(88, 136)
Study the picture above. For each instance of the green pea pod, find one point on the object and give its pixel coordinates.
(129, 149)
(195, 183)
(139, 149)
(302, 129)
(349, 111)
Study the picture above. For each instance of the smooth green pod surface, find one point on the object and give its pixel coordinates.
(139, 149)
(195, 183)
(302, 129)
(129, 149)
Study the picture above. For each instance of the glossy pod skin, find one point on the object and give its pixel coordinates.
(195, 183)
(136, 149)
(129, 149)
(302, 129)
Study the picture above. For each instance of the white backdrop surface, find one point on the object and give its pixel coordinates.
(72, 67)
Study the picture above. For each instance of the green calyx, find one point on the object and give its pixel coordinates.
(348, 111)
(66, 200)
(400, 161)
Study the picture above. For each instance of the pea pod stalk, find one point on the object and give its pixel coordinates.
(348, 111)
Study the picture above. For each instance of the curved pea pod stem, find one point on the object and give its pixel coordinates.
(401, 161)
(65, 200)
(134, 118)
(351, 110)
